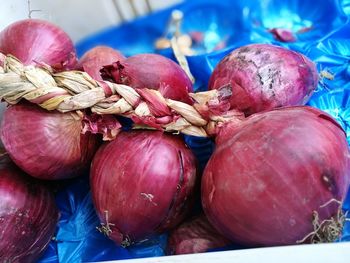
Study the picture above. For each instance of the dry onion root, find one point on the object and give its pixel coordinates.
(327, 230)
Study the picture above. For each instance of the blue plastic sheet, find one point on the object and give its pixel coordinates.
(322, 32)
(332, 54)
(228, 24)
(337, 104)
(308, 22)
(346, 6)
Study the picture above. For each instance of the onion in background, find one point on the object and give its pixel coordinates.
(142, 183)
(94, 59)
(28, 215)
(37, 41)
(47, 145)
(195, 236)
(153, 72)
(271, 171)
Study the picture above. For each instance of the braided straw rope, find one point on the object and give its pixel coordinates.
(75, 90)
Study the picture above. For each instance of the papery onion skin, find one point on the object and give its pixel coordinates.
(142, 183)
(196, 235)
(47, 145)
(269, 173)
(37, 41)
(265, 77)
(28, 215)
(152, 71)
(94, 59)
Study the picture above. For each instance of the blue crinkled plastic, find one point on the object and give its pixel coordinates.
(346, 6)
(332, 54)
(214, 19)
(226, 24)
(337, 103)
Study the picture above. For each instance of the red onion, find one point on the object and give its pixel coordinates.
(142, 183)
(264, 77)
(37, 41)
(195, 236)
(28, 215)
(271, 171)
(154, 72)
(46, 145)
(93, 60)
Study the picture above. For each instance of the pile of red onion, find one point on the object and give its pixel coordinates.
(28, 215)
(195, 236)
(142, 183)
(268, 175)
(271, 171)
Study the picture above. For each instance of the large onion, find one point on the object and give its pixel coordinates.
(264, 77)
(195, 236)
(37, 41)
(142, 183)
(94, 59)
(28, 215)
(46, 145)
(269, 173)
(154, 72)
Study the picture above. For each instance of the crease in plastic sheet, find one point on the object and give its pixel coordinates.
(332, 55)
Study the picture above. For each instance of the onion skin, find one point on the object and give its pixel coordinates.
(37, 41)
(195, 236)
(28, 215)
(94, 59)
(145, 181)
(47, 145)
(264, 77)
(154, 72)
(283, 35)
(270, 172)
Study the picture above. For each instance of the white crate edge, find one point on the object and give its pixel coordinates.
(318, 253)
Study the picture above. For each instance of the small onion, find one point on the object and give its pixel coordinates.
(47, 145)
(154, 72)
(195, 236)
(142, 183)
(270, 172)
(94, 59)
(28, 215)
(265, 77)
(38, 41)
